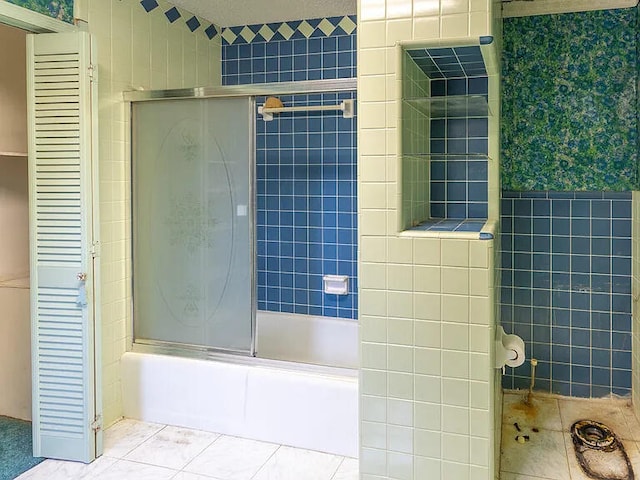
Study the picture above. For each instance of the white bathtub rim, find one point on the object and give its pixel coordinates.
(345, 374)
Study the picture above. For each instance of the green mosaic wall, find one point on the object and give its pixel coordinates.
(60, 9)
(569, 106)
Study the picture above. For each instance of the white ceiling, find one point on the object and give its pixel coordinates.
(229, 13)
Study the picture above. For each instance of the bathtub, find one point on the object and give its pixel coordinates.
(281, 401)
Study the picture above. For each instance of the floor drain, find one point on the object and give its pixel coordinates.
(599, 452)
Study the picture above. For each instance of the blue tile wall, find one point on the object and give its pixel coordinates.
(305, 164)
(459, 182)
(458, 187)
(450, 225)
(172, 14)
(314, 57)
(566, 289)
(455, 62)
(569, 108)
(306, 208)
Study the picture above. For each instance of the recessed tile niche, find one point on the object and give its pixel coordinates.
(445, 138)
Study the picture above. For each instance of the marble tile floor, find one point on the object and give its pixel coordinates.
(549, 454)
(136, 450)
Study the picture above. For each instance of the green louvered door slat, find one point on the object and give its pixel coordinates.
(62, 195)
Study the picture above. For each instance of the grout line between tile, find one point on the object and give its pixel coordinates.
(267, 461)
(333, 476)
(344, 459)
(200, 452)
(139, 462)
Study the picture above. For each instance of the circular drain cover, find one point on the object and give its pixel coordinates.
(593, 434)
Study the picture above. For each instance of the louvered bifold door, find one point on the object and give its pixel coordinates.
(62, 195)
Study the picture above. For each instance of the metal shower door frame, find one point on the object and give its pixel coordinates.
(185, 349)
(251, 91)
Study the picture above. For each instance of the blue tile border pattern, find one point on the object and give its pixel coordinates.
(192, 22)
(149, 5)
(293, 57)
(566, 289)
(306, 208)
(291, 30)
(172, 14)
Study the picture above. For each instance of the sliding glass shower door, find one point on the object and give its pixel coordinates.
(193, 269)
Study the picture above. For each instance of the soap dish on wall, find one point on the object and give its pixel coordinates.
(336, 284)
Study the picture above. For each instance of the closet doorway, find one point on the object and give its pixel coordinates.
(63, 236)
(15, 328)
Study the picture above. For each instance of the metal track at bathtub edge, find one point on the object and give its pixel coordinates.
(239, 358)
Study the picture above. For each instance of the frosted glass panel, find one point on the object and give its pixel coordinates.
(192, 222)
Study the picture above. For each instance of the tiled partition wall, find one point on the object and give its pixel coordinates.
(426, 304)
(305, 164)
(145, 44)
(570, 149)
(426, 381)
(566, 289)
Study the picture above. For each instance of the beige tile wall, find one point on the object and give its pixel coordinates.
(427, 305)
(427, 391)
(136, 50)
(495, 375)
